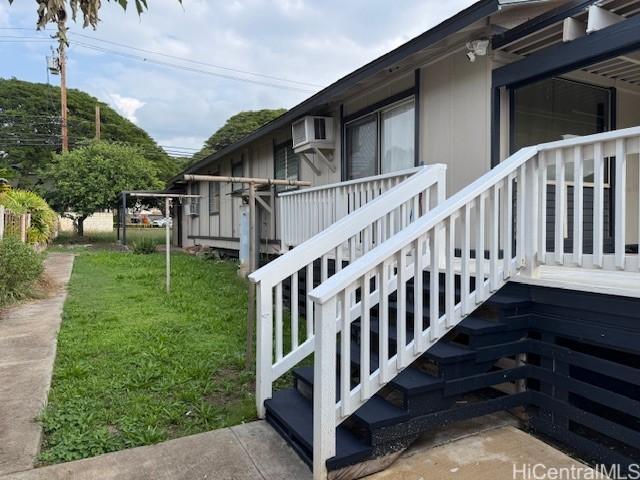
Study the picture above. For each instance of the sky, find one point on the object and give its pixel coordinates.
(295, 46)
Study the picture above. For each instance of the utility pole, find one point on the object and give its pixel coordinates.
(62, 58)
(98, 122)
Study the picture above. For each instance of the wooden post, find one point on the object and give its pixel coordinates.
(98, 122)
(167, 205)
(124, 218)
(63, 88)
(251, 300)
(23, 228)
(1, 221)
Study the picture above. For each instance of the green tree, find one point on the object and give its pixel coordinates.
(237, 127)
(30, 131)
(89, 178)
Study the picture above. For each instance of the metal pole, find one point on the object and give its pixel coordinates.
(124, 218)
(251, 305)
(167, 204)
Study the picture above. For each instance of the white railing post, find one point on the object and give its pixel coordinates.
(324, 388)
(531, 205)
(264, 345)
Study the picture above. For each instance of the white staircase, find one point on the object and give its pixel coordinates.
(502, 215)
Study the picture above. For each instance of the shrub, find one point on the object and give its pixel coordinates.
(20, 266)
(144, 246)
(43, 218)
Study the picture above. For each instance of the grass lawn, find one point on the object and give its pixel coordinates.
(135, 366)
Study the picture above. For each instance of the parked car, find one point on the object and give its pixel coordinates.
(161, 222)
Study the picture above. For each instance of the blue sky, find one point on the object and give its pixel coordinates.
(314, 42)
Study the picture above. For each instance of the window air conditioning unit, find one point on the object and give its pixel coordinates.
(192, 208)
(310, 133)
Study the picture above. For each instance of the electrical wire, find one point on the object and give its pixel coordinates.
(187, 69)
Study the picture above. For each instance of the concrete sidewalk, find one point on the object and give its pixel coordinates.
(253, 451)
(27, 351)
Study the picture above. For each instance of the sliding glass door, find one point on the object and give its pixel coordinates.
(556, 109)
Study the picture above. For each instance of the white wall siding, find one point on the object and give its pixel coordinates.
(456, 118)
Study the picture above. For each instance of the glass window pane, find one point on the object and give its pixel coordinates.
(555, 109)
(398, 135)
(362, 147)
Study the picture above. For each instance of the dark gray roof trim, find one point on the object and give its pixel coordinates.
(466, 17)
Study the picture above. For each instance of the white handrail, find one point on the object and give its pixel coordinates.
(345, 240)
(305, 213)
(345, 228)
(357, 181)
(502, 214)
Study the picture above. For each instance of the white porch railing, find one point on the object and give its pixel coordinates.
(511, 238)
(305, 213)
(347, 239)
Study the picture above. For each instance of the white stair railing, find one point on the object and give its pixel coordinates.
(501, 216)
(281, 341)
(307, 212)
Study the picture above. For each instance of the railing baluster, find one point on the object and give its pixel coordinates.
(578, 204)
(494, 237)
(309, 310)
(434, 285)
(450, 275)
(294, 311)
(418, 268)
(507, 227)
(345, 352)
(620, 203)
(598, 204)
(365, 338)
(338, 258)
(401, 309)
(542, 208)
(324, 269)
(279, 330)
(466, 260)
(383, 327)
(559, 207)
(480, 219)
(520, 213)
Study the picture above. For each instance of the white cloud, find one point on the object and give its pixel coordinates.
(315, 42)
(127, 106)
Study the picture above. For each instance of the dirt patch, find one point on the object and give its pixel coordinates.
(226, 397)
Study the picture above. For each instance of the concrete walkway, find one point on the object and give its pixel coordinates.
(253, 451)
(27, 351)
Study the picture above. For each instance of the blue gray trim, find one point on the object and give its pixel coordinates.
(561, 58)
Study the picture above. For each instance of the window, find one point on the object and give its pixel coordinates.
(555, 109)
(381, 142)
(195, 202)
(214, 197)
(237, 170)
(286, 162)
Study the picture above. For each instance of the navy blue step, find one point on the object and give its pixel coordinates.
(292, 415)
(412, 381)
(445, 353)
(375, 413)
(478, 325)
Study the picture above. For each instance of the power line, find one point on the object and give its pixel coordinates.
(197, 62)
(176, 57)
(188, 69)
